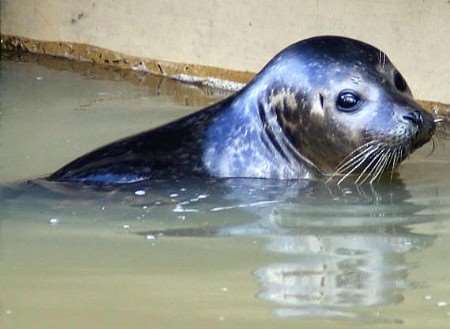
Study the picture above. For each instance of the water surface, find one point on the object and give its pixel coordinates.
(200, 253)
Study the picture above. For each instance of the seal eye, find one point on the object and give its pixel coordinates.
(347, 101)
(399, 82)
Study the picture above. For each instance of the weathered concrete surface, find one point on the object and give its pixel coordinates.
(194, 73)
(244, 35)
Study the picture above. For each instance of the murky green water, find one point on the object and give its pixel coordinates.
(200, 254)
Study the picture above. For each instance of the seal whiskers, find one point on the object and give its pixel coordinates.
(354, 160)
(381, 167)
(394, 162)
(347, 163)
(372, 165)
(381, 155)
(355, 165)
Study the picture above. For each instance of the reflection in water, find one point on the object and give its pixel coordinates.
(178, 93)
(341, 252)
(325, 252)
(341, 248)
(326, 274)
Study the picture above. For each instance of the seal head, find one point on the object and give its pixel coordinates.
(323, 106)
(344, 106)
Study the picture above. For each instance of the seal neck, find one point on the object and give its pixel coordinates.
(245, 140)
(275, 135)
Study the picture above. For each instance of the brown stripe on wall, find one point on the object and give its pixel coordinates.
(84, 52)
(200, 74)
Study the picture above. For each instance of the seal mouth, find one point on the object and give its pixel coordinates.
(369, 161)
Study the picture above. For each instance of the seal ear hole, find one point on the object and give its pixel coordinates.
(400, 82)
(321, 100)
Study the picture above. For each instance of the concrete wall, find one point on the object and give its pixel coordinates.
(244, 35)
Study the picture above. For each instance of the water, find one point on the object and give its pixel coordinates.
(200, 254)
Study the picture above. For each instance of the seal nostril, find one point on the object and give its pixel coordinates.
(415, 117)
(419, 117)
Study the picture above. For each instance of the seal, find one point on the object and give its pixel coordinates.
(324, 106)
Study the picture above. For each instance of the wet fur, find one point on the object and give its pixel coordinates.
(283, 125)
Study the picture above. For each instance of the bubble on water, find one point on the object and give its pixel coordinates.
(224, 289)
(428, 297)
(53, 221)
(202, 196)
(126, 226)
(244, 205)
(183, 189)
(139, 192)
(39, 78)
(179, 208)
(150, 237)
(144, 207)
(173, 195)
(441, 304)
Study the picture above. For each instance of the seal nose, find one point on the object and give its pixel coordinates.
(415, 117)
